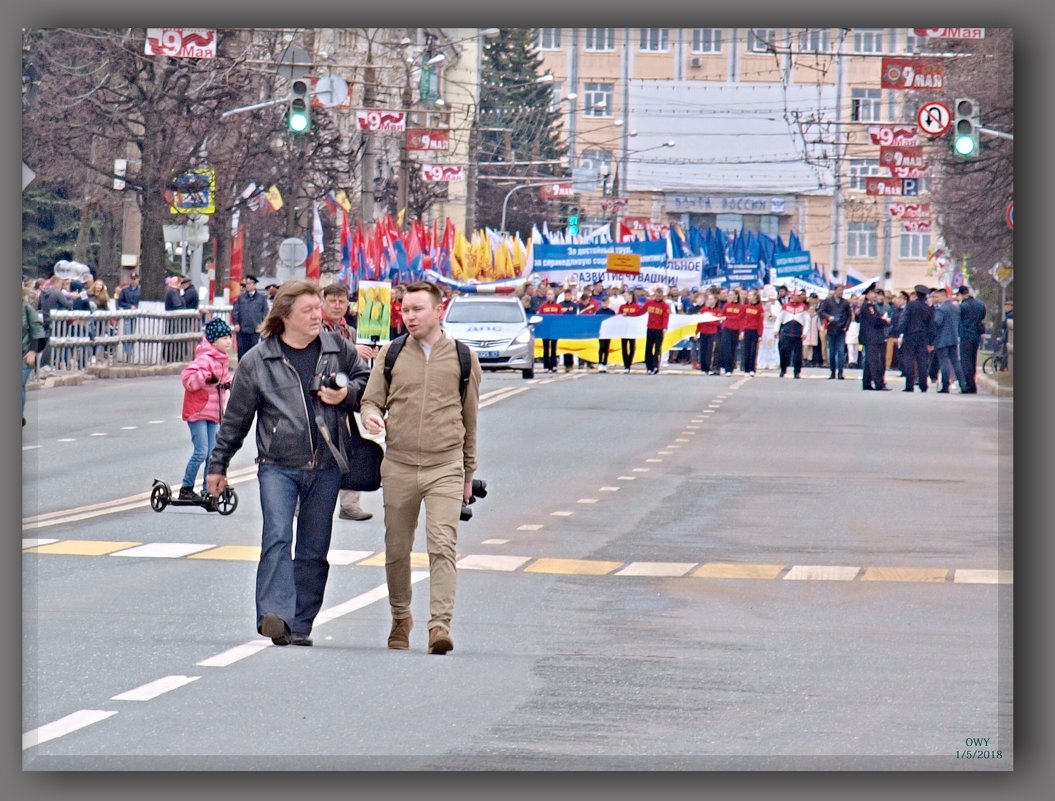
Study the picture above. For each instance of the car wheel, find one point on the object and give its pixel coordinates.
(529, 373)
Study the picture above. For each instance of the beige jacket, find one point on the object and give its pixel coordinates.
(427, 423)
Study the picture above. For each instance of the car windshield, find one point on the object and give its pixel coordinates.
(482, 312)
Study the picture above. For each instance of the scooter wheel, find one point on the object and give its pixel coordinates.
(227, 502)
(160, 497)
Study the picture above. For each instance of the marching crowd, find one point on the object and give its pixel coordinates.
(927, 336)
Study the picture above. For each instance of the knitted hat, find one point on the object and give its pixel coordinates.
(216, 328)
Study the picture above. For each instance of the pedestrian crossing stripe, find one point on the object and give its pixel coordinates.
(546, 565)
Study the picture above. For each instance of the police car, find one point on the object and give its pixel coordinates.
(497, 328)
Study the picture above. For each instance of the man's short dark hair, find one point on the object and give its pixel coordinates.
(964, 290)
(335, 289)
(426, 286)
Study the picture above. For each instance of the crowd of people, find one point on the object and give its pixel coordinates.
(782, 329)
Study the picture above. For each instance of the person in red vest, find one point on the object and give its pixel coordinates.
(628, 345)
(658, 311)
(730, 331)
(549, 346)
(754, 316)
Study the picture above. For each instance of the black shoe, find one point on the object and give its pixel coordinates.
(188, 494)
(841, 376)
(831, 376)
(943, 392)
(797, 375)
(883, 389)
(275, 627)
(781, 373)
(907, 389)
(301, 639)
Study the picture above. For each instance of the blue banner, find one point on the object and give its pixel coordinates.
(797, 263)
(585, 264)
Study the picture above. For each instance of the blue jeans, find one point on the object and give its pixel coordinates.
(837, 352)
(203, 437)
(292, 588)
(129, 326)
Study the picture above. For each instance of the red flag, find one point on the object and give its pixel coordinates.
(625, 234)
(313, 269)
(234, 280)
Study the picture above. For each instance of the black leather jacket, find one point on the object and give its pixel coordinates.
(267, 385)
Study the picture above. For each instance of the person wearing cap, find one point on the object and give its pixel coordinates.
(270, 291)
(873, 324)
(569, 306)
(188, 292)
(972, 326)
(205, 383)
(914, 339)
(128, 296)
(248, 312)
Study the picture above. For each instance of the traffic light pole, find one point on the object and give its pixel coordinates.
(255, 106)
(998, 134)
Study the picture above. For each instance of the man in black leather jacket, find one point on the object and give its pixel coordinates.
(283, 382)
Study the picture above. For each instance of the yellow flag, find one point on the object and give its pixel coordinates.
(274, 198)
(343, 201)
(399, 218)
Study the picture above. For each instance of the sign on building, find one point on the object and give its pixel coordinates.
(181, 42)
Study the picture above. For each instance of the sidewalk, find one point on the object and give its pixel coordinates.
(67, 378)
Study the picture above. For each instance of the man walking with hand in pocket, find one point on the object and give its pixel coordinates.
(430, 457)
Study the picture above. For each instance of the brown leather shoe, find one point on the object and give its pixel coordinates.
(440, 641)
(399, 637)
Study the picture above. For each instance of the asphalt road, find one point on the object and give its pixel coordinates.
(671, 572)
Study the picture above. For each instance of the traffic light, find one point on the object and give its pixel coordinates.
(965, 142)
(573, 222)
(299, 117)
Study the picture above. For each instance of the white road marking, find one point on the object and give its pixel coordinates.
(966, 576)
(153, 689)
(99, 434)
(337, 556)
(165, 550)
(63, 726)
(232, 655)
(641, 469)
(239, 476)
(822, 573)
(653, 460)
(66, 439)
(626, 478)
(32, 542)
(493, 542)
(609, 489)
(529, 527)
(30, 447)
(561, 514)
(587, 500)
(129, 428)
(505, 394)
(492, 562)
(155, 422)
(656, 569)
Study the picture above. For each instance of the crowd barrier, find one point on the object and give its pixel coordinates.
(78, 339)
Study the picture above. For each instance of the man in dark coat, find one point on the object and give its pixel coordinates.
(247, 313)
(972, 314)
(834, 310)
(914, 339)
(947, 340)
(872, 334)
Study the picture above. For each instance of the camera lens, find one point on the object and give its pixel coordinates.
(479, 488)
(337, 381)
(466, 513)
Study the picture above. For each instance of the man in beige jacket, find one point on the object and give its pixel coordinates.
(430, 435)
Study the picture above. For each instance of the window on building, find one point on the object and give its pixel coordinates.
(706, 40)
(915, 246)
(595, 158)
(761, 40)
(345, 38)
(865, 105)
(915, 44)
(597, 99)
(769, 224)
(600, 38)
(813, 39)
(549, 38)
(861, 169)
(655, 40)
(730, 222)
(868, 40)
(861, 240)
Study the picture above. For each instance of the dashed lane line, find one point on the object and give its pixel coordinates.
(529, 564)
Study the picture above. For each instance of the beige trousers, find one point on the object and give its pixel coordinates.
(404, 488)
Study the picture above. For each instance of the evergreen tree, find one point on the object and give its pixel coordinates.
(518, 122)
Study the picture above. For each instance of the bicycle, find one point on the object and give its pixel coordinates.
(997, 361)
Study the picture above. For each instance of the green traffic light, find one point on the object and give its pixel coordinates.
(573, 225)
(964, 145)
(299, 121)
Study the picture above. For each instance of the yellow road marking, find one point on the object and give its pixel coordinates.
(904, 574)
(234, 553)
(82, 547)
(734, 570)
(577, 567)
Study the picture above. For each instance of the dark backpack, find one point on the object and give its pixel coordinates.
(464, 358)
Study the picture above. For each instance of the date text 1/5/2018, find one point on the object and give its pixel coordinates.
(978, 753)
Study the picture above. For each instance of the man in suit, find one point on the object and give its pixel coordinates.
(947, 339)
(972, 314)
(914, 338)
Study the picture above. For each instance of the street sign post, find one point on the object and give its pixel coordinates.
(934, 118)
(1003, 273)
(293, 252)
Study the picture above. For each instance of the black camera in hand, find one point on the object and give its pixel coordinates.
(328, 380)
(479, 490)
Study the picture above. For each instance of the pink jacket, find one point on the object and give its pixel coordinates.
(201, 400)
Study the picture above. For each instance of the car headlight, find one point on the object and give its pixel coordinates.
(523, 338)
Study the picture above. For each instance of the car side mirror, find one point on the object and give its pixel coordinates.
(534, 319)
